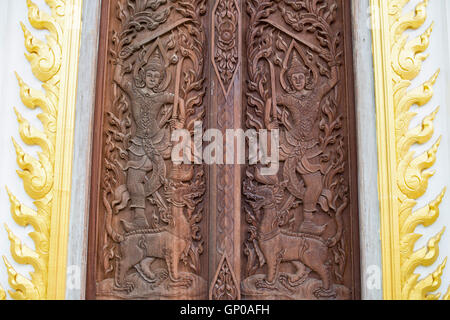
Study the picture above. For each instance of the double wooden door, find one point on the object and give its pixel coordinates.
(220, 224)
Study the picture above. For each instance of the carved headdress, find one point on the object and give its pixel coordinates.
(299, 66)
(153, 59)
(296, 61)
(155, 62)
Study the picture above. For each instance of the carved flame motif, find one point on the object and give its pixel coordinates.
(2, 294)
(153, 208)
(297, 218)
(226, 42)
(45, 58)
(409, 172)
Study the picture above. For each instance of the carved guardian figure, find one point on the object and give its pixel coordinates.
(296, 227)
(150, 145)
(153, 207)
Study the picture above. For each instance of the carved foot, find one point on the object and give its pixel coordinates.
(128, 287)
(323, 293)
(148, 276)
(163, 274)
(264, 285)
(184, 283)
(293, 281)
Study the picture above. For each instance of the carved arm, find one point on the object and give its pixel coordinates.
(270, 116)
(118, 77)
(327, 87)
(178, 120)
(180, 114)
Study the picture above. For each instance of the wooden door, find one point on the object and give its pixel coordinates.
(219, 225)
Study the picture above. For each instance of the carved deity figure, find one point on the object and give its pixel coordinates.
(297, 244)
(300, 141)
(150, 144)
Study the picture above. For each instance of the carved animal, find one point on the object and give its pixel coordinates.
(302, 250)
(139, 249)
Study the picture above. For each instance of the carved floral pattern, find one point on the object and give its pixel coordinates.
(225, 46)
(225, 286)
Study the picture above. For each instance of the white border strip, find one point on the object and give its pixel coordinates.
(85, 105)
(369, 212)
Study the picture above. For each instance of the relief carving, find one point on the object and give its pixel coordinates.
(152, 207)
(225, 286)
(164, 230)
(226, 42)
(296, 246)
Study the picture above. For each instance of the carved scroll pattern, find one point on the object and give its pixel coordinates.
(225, 212)
(153, 208)
(225, 202)
(297, 219)
(225, 46)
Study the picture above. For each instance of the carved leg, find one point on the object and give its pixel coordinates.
(273, 262)
(173, 260)
(316, 258)
(136, 188)
(301, 275)
(325, 274)
(272, 269)
(314, 188)
(122, 268)
(144, 269)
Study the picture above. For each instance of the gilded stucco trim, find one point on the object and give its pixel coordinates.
(2, 294)
(47, 179)
(403, 175)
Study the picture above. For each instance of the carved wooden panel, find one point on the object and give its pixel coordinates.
(302, 231)
(148, 213)
(164, 230)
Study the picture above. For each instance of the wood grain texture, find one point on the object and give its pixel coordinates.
(302, 223)
(152, 82)
(293, 235)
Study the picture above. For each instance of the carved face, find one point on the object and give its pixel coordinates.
(152, 78)
(298, 81)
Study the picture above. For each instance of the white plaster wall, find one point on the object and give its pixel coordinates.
(79, 211)
(439, 12)
(369, 216)
(12, 59)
